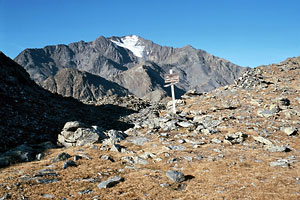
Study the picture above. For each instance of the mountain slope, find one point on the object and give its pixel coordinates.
(31, 114)
(112, 58)
(237, 142)
(82, 85)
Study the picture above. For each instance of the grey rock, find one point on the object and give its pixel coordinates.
(176, 176)
(87, 191)
(283, 101)
(188, 158)
(185, 124)
(48, 196)
(116, 147)
(6, 196)
(76, 134)
(280, 163)
(106, 157)
(46, 181)
(40, 156)
(69, 163)
(164, 185)
(176, 148)
(114, 135)
(265, 113)
(135, 160)
(262, 140)
(138, 140)
(236, 138)
(61, 157)
(274, 148)
(110, 182)
(46, 172)
(290, 130)
(216, 141)
(77, 157)
(73, 126)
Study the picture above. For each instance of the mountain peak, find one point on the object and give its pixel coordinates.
(132, 43)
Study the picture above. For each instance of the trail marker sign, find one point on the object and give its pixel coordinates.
(172, 79)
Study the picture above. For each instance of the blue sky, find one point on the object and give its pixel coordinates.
(245, 32)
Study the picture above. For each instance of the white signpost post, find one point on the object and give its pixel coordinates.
(172, 79)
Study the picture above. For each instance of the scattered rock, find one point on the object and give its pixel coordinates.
(69, 163)
(262, 140)
(48, 196)
(106, 157)
(236, 138)
(110, 182)
(290, 130)
(175, 176)
(274, 148)
(138, 140)
(87, 191)
(61, 157)
(280, 163)
(175, 148)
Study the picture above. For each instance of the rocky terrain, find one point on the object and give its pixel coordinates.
(236, 142)
(31, 114)
(123, 59)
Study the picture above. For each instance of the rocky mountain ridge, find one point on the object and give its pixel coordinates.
(118, 59)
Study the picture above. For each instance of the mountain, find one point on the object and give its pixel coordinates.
(31, 114)
(82, 85)
(119, 58)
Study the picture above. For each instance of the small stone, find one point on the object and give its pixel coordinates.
(274, 108)
(48, 196)
(164, 185)
(274, 148)
(262, 140)
(216, 141)
(77, 157)
(116, 147)
(279, 163)
(188, 158)
(61, 157)
(69, 163)
(185, 124)
(6, 196)
(110, 182)
(47, 181)
(175, 176)
(138, 140)
(40, 156)
(87, 191)
(46, 172)
(290, 130)
(265, 113)
(106, 157)
(176, 148)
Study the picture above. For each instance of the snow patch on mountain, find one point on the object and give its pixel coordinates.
(132, 43)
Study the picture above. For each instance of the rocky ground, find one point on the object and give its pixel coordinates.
(237, 142)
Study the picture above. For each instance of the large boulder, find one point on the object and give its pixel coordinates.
(77, 134)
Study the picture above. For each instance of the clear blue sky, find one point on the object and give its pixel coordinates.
(245, 32)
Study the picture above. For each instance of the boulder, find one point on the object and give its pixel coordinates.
(77, 134)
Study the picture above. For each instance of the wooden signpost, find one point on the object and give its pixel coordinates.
(172, 79)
